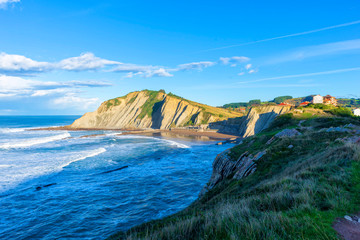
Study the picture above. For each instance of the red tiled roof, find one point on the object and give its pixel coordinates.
(305, 103)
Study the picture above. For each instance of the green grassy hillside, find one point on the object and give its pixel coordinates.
(301, 185)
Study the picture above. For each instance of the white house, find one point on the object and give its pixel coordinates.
(356, 112)
(317, 99)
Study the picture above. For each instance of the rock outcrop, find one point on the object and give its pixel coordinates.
(151, 109)
(258, 119)
(223, 167)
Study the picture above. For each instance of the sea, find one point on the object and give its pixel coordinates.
(91, 184)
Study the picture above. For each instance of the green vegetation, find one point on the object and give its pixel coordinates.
(281, 99)
(352, 102)
(149, 106)
(254, 102)
(236, 105)
(336, 111)
(343, 102)
(295, 193)
(341, 111)
(132, 99)
(242, 104)
(113, 102)
(175, 96)
(189, 123)
(153, 103)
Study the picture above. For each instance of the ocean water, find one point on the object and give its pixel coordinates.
(91, 184)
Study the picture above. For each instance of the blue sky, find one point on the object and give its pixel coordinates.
(66, 57)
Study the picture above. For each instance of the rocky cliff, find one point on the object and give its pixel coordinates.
(258, 119)
(151, 109)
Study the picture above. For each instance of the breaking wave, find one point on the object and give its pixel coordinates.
(34, 141)
(11, 130)
(88, 154)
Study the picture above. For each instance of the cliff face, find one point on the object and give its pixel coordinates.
(151, 109)
(258, 119)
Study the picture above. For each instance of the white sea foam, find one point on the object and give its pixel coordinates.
(15, 168)
(34, 141)
(113, 134)
(170, 142)
(173, 143)
(11, 130)
(4, 165)
(83, 156)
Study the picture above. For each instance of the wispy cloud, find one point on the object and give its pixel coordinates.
(234, 61)
(257, 86)
(146, 71)
(18, 65)
(86, 61)
(303, 75)
(195, 65)
(317, 50)
(284, 36)
(15, 65)
(161, 72)
(4, 3)
(12, 86)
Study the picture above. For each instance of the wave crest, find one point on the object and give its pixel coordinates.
(34, 141)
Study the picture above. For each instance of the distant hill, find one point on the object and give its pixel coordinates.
(151, 109)
(344, 102)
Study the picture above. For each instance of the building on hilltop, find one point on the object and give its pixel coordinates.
(317, 99)
(356, 112)
(330, 100)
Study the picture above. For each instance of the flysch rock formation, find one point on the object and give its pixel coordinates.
(151, 109)
(223, 167)
(258, 119)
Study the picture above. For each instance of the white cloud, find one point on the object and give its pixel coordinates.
(86, 61)
(125, 67)
(73, 101)
(195, 65)
(241, 73)
(161, 72)
(11, 86)
(252, 71)
(41, 93)
(11, 63)
(133, 70)
(234, 61)
(4, 3)
(21, 65)
(248, 66)
(54, 95)
(18, 63)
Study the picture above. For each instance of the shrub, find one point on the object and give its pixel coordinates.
(341, 111)
(281, 99)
